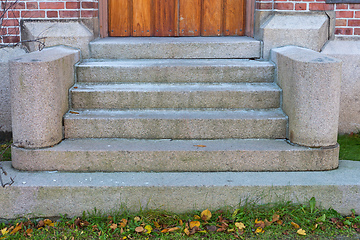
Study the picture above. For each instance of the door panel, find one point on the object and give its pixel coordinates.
(176, 17)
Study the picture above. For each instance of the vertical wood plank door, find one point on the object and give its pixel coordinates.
(176, 18)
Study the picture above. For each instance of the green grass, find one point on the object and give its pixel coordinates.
(270, 221)
(5, 151)
(349, 146)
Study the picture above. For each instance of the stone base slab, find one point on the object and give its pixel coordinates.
(175, 155)
(53, 193)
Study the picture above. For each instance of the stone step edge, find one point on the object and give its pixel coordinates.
(46, 194)
(132, 155)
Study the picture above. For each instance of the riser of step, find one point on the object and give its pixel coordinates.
(170, 47)
(176, 155)
(184, 124)
(175, 70)
(125, 96)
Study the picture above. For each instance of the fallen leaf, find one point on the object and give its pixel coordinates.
(113, 226)
(73, 112)
(17, 228)
(75, 87)
(205, 215)
(40, 224)
(240, 225)
(301, 232)
(267, 223)
(199, 145)
(211, 228)
(181, 222)
(194, 224)
(123, 223)
(259, 224)
(275, 218)
(148, 229)
(173, 229)
(314, 227)
(136, 219)
(139, 229)
(321, 219)
(295, 225)
(259, 230)
(187, 232)
(197, 217)
(157, 225)
(4, 231)
(279, 222)
(29, 232)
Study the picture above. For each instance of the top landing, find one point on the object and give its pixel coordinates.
(175, 47)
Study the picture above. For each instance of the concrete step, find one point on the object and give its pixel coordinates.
(175, 70)
(175, 124)
(175, 47)
(115, 154)
(180, 96)
(49, 193)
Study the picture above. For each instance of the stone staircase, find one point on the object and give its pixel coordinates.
(176, 104)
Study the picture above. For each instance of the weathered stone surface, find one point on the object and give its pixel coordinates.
(311, 94)
(113, 154)
(5, 104)
(39, 95)
(53, 193)
(309, 30)
(175, 70)
(180, 96)
(348, 51)
(175, 124)
(69, 33)
(175, 47)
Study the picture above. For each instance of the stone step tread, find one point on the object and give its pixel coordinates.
(116, 154)
(176, 124)
(175, 70)
(175, 47)
(338, 189)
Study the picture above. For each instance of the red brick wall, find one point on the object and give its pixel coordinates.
(347, 15)
(44, 9)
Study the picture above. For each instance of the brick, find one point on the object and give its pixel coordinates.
(320, 7)
(354, 22)
(357, 14)
(3, 31)
(10, 22)
(72, 5)
(264, 6)
(13, 31)
(343, 31)
(344, 14)
(341, 22)
(11, 39)
(33, 14)
(356, 31)
(308, 1)
(52, 14)
(13, 14)
(69, 14)
(85, 13)
(354, 6)
(300, 6)
(341, 6)
(284, 6)
(19, 5)
(51, 5)
(88, 5)
(32, 5)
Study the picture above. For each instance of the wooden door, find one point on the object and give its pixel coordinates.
(161, 18)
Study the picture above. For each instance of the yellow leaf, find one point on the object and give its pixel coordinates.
(314, 227)
(17, 228)
(173, 229)
(48, 222)
(124, 237)
(136, 219)
(295, 225)
(113, 226)
(205, 215)
(148, 229)
(259, 230)
(239, 225)
(186, 231)
(194, 224)
(165, 230)
(301, 232)
(3, 146)
(123, 222)
(197, 217)
(139, 229)
(4, 231)
(181, 222)
(231, 230)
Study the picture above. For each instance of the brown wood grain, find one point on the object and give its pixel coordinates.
(189, 17)
(165, 17)
(234, 17)
(211, 19)
(142, 18)
(120, 18)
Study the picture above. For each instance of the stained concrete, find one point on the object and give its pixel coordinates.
(348, 51)
(175, 47)
(180, 96)
(175, 70)
(54, 193)
(175, 124)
